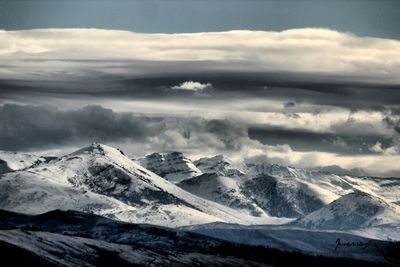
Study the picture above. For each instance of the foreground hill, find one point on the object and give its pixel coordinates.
(91, 240)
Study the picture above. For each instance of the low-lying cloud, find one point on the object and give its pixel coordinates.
(27, 127)
(34, 127)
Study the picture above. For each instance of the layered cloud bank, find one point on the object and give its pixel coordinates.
(304, 97)
(46, 127)
(305, 50)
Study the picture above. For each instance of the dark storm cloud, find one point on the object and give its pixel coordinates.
(27, 127)
(228, 132)
(304, 140)
(392, 122)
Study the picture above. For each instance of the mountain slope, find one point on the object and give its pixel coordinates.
(261, 195)
(294, 239)
(284, 197)
(224, 190)
(273, 190)
(336, 184)
(13, 161)
(102, 180)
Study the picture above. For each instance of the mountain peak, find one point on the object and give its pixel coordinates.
(220, 165)
(96, 148)
(273, 169)
(173, 166)
(354, 210)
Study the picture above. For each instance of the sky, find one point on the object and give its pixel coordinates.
(377, 18)
(301, 83)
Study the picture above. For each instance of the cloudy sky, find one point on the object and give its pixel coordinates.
(303, 83)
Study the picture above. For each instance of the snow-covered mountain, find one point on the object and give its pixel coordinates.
(173, 166)
(269, 189)
(277, 208)
(336, 184)
(261, 195)
(219, 165)
(102, 180)
(275, 190)
(224, 190)
(285, 197)
(352, 211)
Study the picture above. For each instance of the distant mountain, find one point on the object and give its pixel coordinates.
(219, 165)
(264, 189)
(352, 211)
(335, 169)
(284, 197)
(336, 184)
(224, 190)
(261, 195)
(173, 166)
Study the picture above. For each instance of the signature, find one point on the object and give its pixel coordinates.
(358, 244)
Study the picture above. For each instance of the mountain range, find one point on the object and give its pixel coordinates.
(214, 197)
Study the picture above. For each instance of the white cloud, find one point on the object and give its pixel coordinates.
(377, 148)
(313, 50)
(192, 86)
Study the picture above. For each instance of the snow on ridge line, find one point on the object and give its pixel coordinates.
(105, 167)
(98, 172)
